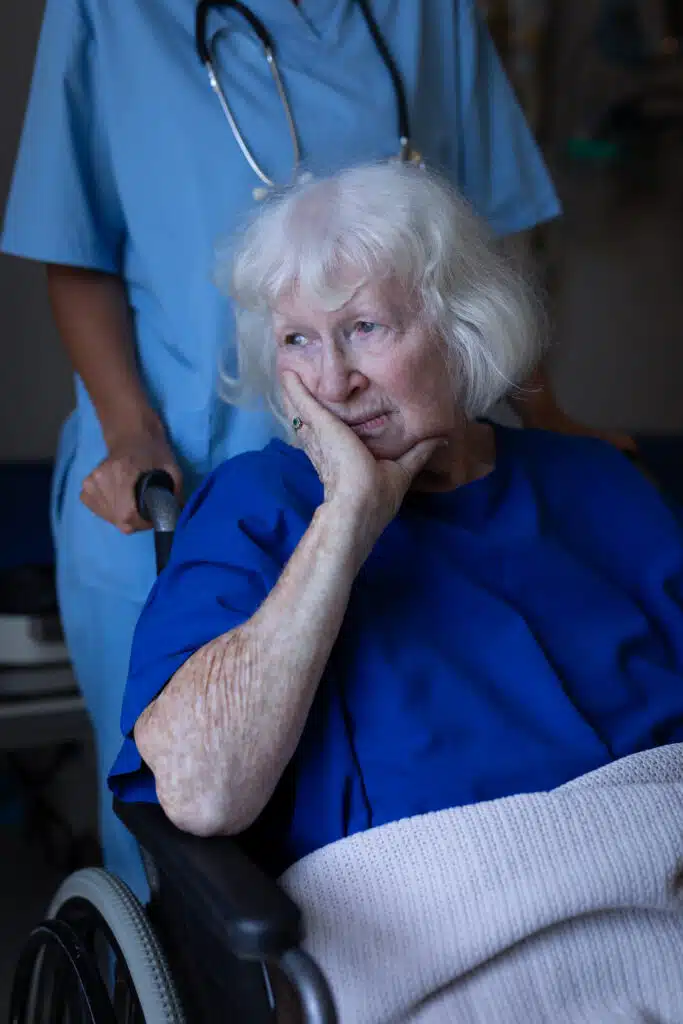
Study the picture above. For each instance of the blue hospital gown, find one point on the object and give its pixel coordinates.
(503, 638)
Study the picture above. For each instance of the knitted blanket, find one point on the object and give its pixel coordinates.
(564, 906)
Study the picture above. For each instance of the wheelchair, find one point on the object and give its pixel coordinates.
(216, 926)
(202, 950)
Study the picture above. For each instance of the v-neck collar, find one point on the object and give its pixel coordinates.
(319, 20)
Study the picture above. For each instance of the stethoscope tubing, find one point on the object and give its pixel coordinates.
(206, 57)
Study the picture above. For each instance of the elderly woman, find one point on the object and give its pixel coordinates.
(406, 608)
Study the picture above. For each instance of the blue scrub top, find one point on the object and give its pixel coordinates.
(503, 638)
(127, 165)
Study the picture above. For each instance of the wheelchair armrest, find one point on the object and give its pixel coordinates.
(257, 920)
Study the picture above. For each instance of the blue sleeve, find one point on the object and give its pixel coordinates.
(63, 205)
(501, 171)
(231, 545)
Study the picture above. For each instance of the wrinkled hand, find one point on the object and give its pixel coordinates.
(109, 491)
(351, 476)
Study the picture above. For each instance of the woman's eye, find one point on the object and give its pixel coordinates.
(365, 327)
(295, 340)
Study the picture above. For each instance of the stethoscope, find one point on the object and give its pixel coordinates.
(406, 152)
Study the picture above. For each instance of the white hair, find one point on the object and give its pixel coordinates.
(395, 223)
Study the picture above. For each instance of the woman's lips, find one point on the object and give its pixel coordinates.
(370, 427)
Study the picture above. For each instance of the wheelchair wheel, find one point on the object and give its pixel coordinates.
(95, 959)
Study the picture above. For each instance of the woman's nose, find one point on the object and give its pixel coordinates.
(339, 377)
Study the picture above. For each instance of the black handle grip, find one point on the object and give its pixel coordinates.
(244, 908)
(158, 479)
(157, 504)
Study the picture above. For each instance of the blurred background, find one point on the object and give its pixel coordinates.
(602, 84)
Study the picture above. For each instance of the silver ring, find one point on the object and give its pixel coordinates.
(297, 423)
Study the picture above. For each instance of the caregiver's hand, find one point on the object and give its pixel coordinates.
(353, 479)
(109, 491)
(558, 421)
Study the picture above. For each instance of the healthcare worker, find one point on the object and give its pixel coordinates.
(131, 169)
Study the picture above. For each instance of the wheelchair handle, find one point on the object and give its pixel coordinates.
(315, 996)
(157, 504)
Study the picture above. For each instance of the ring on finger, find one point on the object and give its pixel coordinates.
(297, 424)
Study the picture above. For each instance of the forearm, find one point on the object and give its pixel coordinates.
(221, 734)
(93, 318)
(534, 402)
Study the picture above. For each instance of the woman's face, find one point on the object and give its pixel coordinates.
(373, 363)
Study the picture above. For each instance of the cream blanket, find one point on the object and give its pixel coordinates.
(553, 907)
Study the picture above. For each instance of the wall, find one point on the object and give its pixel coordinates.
(618, 355)
(35, 383)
